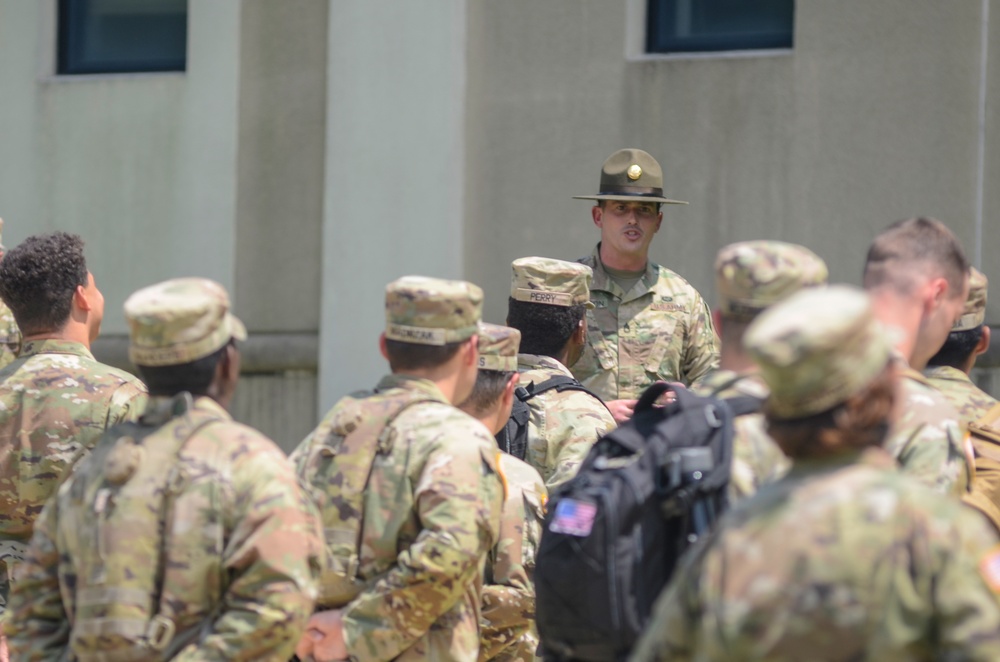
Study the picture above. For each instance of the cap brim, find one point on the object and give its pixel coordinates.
(631, 198)
(236, 328)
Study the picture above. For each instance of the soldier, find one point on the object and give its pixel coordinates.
(10, 337)
(948, 371)
(845, 558)
(508, 618)
(918, 277)
(648, 324)
(408, 491)
(182, 536)
(57, 399)
(548, 302)
(751, 276)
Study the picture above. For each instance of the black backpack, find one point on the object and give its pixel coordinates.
(513, 438)
(614, 532)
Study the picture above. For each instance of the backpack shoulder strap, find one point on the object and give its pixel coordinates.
(560, 383)
(744, 404)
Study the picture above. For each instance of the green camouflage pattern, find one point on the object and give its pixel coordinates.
(839, 563)
(970, 401)
(498, 347)
(549, 281)
(508, 619)
(928, 440)
(431, 510)
(431, 311)
(179, 321)
(561, 426)
(10, 336)
(661, 329)
(57, 401)
(817, 348)
(974, 311)
(239, 566)
(757, 460)
(752, 275)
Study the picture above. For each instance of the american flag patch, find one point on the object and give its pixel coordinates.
(573, 518)
(989, 567)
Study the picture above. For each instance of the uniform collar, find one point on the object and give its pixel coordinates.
(946, 372)
(602, 279)
(54, 346)
(408, 383)
(872, 457)
(535, 361)
(162, 408)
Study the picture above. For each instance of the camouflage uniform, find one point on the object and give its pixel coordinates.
(973, 405)
(912, 576)
(57, 400)
(927, 440)
(660, 330)
(562, 426)
(509, 632)
(233, 577)
(508, 617)
(750, 277)
(757, 460)
(430, 507)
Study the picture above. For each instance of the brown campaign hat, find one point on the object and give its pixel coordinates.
(632, 175)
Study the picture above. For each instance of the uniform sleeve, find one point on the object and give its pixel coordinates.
(274, 557)
(966, 592)
(127, 403)
(38, 626)
(985, 493)
(572, 429)
(934, 455)
(457, 497)
(509, 598)
(701, 349)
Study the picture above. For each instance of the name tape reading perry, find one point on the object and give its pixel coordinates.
(541, 296)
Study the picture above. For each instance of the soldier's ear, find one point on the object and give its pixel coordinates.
(595, 213)
(382, 348)
(984, 341)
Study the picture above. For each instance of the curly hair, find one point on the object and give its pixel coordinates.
(38, 278)
(545, 328)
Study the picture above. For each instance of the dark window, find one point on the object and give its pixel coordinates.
(718, 25)
(120, 36)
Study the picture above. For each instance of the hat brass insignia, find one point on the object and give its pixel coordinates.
(634, 172)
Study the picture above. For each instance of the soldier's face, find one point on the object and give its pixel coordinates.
(942, 311)
(627, 228)
(96, 300)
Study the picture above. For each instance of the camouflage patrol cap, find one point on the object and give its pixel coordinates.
(752, 275)
(431, 311)
(498, 347)
(631, 174)
(817, 348)
(550, 281)
(974, 313)
(179, 321)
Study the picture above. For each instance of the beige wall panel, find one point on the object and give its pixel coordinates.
(990, 262)
(282, 114)
(142, 166)
(281, 405)
(871, 117)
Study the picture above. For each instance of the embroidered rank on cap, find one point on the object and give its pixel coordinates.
(573, 518)
(989, 567)
(634, 172)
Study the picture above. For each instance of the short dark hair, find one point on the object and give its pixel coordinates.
(414, 356)
(545, 329)
(194, 377)
(489, 387)
(911, 244)
(957, 349)
(38, 278)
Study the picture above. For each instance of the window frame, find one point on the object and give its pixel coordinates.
(655, 44)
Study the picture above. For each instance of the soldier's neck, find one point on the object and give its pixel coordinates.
(446, 381)
(902, 318)
(622, 261)
(70, 332)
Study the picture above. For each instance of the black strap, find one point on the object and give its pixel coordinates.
(744, 404)
(560, 383)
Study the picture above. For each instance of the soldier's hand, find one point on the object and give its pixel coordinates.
(621, 409)
(323, 640)
(4, 655)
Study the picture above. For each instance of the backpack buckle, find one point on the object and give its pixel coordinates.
(160, 632)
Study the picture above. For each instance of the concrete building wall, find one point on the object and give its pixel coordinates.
(871, 117)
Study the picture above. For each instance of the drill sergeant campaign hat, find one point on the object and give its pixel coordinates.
(179, 321)
(817, 348)
(974, 313)
(498, 347)
(752, 275)
(550, 281)
(432, 311)
(632, 175)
